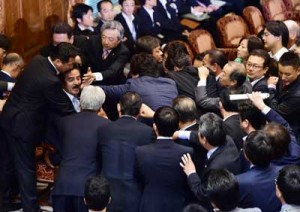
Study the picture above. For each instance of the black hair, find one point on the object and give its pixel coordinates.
(97, 193)
(288, 182)
(79, 10)
(62, 28)
(166, 120)
(101, 2)
(130, 103)
(144, 64)
(64, 51)
(185, 107)
(278, 28)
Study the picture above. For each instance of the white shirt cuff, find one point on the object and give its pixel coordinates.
(10, 86)
(266, 110)
(98, 76)
(201, 83)
(272, 86)
(184, 134)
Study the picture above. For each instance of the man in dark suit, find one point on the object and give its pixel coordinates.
(23, 119)
(230, 113)
(82, 15)
(285, 98)
(12, 66)
(107, 55)
(130, 23)
(221, 153)
(257, 66)
(118, 144)
(80, 151)
(257, 184)
(164, 185)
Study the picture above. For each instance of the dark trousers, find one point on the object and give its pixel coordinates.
(65, 203)
(23, 154)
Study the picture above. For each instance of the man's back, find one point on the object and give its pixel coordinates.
(165, 185)
(79, 136)
(38, 90)
(118, 142)
(257, 188)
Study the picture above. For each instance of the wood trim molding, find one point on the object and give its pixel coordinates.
(2, 17)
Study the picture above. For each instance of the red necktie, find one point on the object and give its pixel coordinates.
(105, 54)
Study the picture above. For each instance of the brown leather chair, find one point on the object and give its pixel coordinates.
(254, 19)
(231, 29)
(201, 41)
(277, 10)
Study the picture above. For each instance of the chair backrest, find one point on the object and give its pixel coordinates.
(274, 10)
(254, 19)
(231, 29)
(201, 40)
(292, 5)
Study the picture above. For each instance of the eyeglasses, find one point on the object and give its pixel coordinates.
(254, 66)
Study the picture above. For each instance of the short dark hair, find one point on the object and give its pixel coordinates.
(280, 136)
(288, 182)
(4, 42)
(79, 10)
(121, 2)
(290, 59)
(62, 28)
(179, 60)
(218, 57)
(263, 54)
(172, 49)
(258, 148)
(63, 75)
(64, 51)
(166, 120)
(248, 111)
(147, 44)
(144, 64)
(253, 43)
(211, 126)
(228, 105)
(194, 208)
(97, 193)
(101, 2)
(222, 189)
(130, 103)
(185, 107)
(278, 28)
(142, 2)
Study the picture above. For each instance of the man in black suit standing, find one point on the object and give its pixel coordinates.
(165, 187)
(23, 119)
(118, 144)
(80, 148)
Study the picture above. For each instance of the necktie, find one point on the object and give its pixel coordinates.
(76, 104)
(105, 54)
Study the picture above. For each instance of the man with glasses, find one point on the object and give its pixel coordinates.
(276, 38)
(256, 67)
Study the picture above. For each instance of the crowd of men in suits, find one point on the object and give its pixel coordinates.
(165, 135)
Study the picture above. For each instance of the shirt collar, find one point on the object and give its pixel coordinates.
(84, 28)
(279, 53)
(128, 116)
(131, 18)
(150, 11)
(50, 61)
(224, 119)
(210, 152)
(164, 138)
(6, 73)
(255, 81)
(184, 128)
(71, 96)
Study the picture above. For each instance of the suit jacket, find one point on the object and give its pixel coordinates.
(257, 188)
(261, 86)
(118, 142)
(37, 92)
(149, 27)
(3, 86)
(149, 88)
(6, 78)
(130, 42)
(112, 67)
(164, 183)
(287, 104)
(232, 128)
(86, 32)
(80, 152)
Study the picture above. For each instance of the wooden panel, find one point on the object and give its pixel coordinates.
(28, 22)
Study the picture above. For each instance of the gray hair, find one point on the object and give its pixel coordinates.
(113, 25)
(92, 98)
(13, 58)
